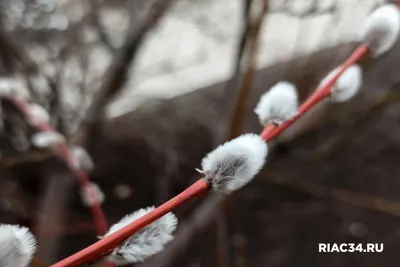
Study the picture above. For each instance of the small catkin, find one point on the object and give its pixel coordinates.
(38, 114)
(81, 159)
(17, 246)
(145, 243)
(381, 29)
(278, 105)
(47, 139)
(235, 163)
(347, 85)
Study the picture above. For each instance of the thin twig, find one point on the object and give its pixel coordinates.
(94, 17)
(249, 43)
(238, 117)
(118, 72)
(30, 157)
(230, 93)
(375, 109)
(11, 53)
(378, 204)
(53, 203)
(229, 100)
(37, 262)
(10, 47)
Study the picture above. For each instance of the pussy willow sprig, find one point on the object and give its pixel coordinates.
(378, 34)
(235, 163)
(47, 136)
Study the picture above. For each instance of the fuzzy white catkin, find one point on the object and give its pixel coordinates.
(17, 246)
(92, 194)
(82, 160)
(5, 88)
(145, 243)
(347, 85)
(47, 139)
(233, 164)
(277, 105)
(381, 29)
(38, 114)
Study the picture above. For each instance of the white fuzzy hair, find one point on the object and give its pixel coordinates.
(17, 246)
(5, 87)
(347, 85)
(92, 194)
(47, 139)
(278, 105)
(276, 5)
(300, 7)
(82, 160)
(145, 243)
(381, 29)
(38, 114)
(233, 164)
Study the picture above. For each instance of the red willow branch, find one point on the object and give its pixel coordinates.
(115, 79)
(81, 176)
(105, 245)
(272, 131)
(380, 34)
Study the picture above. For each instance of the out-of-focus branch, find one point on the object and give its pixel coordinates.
(94, 17)
(230, 93)
(10, 48)
(238, 116)
(234, 102)
(30, 157)
(375, 109)
(13, 53)
(55, 103)
(229, 100)
(53, 203)
(36, 262)
(118, 72)
(247, 55)
(352, 198)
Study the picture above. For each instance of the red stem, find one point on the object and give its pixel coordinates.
(81, 176)
(108, 243)
(324, 91)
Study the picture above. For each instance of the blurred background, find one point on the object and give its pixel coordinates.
(148, 87)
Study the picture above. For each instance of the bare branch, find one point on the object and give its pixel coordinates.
(11, 48)
(94, 17)
(238, 116)
(118, 72)
(12, 53)
(230, 93)
(352, 198)
(52, 212)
